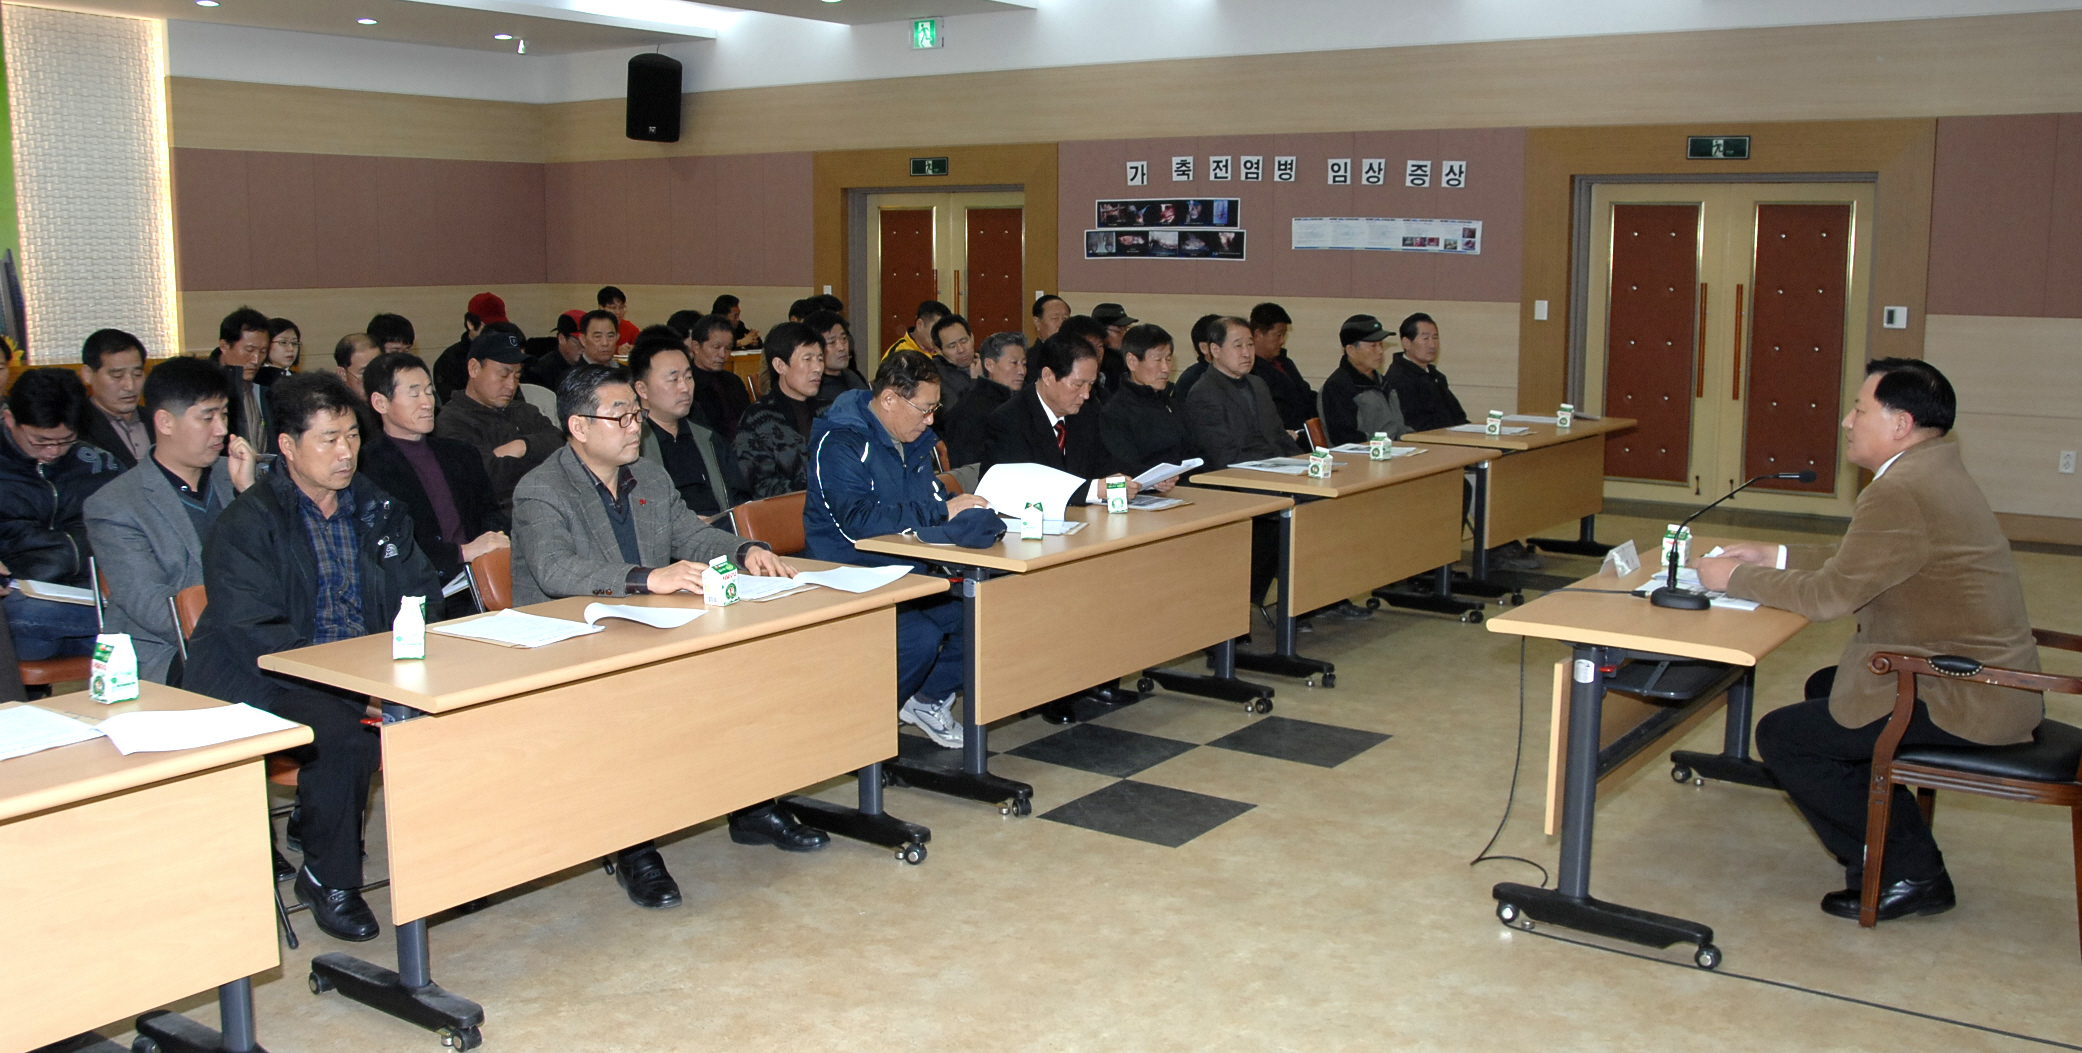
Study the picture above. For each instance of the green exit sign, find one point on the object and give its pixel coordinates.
(1717, 148)
(925, 33)
(928, 166)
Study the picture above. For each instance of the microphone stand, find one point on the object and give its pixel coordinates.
(1673, 598)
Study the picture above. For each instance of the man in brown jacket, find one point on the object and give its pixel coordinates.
(1927, 571)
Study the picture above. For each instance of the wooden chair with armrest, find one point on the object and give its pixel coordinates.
(491, 579)
(2046, 770)
(776, 520)
(1317, 434)
(951, 482)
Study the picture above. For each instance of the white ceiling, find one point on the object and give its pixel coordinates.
(864, 12)
(407, 21)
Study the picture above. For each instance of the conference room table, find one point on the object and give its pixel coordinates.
(1370, 523)
(502, 765)
(1677, 665)
(1049, 618)
(132, 882)
(1547, 475)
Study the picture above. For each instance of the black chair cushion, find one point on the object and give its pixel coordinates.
(2052, 755)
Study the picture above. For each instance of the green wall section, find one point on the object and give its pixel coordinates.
(10, 228)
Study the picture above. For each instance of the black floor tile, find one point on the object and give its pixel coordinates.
(1301, 741)
(1158, 815)
(1102, 750)
(913, 746)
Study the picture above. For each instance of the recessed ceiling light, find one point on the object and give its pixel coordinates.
(502, 36)
(206, 3)
(366, 21)
(831, 1)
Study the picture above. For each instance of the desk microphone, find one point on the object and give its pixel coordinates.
(1683, 600)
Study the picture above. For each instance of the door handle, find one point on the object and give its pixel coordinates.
(1737, 396)
(936, 283)
(957, 292)
(1699, 372)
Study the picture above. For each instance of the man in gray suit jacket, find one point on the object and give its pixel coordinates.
(146, 526)
(597, 519)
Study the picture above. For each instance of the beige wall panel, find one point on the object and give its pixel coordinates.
(1932, 67)
(231, 115)
(2024, 367)
(2016, 461)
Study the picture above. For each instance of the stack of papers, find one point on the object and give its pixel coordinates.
(1167, 471)
(26, 729)
(1154, 502)
(1008, 488)
(1049, 527)
(511, 628)
(1280, 465)
(656, 617)
(160, 730)
(853, 579)
(756, 588)
(1393, 451)
(1479, 429)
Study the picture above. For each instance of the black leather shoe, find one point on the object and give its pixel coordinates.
(1898, 900)
(769, 825)
(641, 873)
(1060, 711)
(293, 831)
(340, 912)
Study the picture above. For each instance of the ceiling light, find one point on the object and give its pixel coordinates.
(206, 3)
(502, 36)
(831, 1)
(366, 21)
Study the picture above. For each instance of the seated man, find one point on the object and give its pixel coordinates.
(965, 427)
(1141, 425)
(46, 476)
(1042, 424)
(773, 438)
(840, 375)
(1113, 365)
(391, 332)
(955, 355)
(1230, 417)
(242, 343)
(600, 334)
(510, 436)
(919, 337)
(702, 466)
(452, 368)
(871, 472)
(1206, 336)
(746, 337)
(596, 519)
(1353, 403)
(615, 302)
(1926, 569)
(311, 554)
(1290, 392)
(720, 396)
(546, 370)
(114, 364)
(1050, 312)
(1427, 402)
(147, 524)
(455, 518)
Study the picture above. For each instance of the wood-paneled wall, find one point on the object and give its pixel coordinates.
(2006, 216)
(2019, 382)
(235, 115)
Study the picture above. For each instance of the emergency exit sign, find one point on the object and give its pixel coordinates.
(925, 33)
(928, 166)
(1717, 148)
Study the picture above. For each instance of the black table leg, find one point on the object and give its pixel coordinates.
(1222, 686)
(174, 1033)
(1733, 763)
(1586, 543)
(1569, 904)
(973, 782)
(1283, 661)
(867, 823)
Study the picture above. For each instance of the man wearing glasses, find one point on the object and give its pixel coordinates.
(46, 476)
(597, 519)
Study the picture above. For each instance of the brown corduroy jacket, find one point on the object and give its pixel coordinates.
(1927, 571)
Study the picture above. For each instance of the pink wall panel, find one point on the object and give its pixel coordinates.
(790, 185)
(734, 220)
(211, 225)
(2064, 229)
(283, 232)
(344, 239)
(1991, 203)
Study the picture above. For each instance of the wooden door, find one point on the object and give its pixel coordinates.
(996, 274)
(1652, 331)
(1795, 376)
(908, 275)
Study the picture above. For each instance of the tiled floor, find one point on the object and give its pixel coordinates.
(1195, 878)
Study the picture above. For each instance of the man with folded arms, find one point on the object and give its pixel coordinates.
(597, 519)
(510, 436)
(1926, 569)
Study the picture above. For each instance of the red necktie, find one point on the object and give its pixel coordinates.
(1061, 437)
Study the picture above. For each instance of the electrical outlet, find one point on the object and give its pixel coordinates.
(2067, 462)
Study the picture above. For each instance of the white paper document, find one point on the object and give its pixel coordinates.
(1280, 465)
(1167, 471)
(757, 587)
(511, 628)
(1008, 487)
(1393, 451)
(1478, 429)
(1153, 502)
(1530, 418)
(655, 617)
(853, 579)
(44, 590)
(160, 730)
(26, 729)
(1049, 527)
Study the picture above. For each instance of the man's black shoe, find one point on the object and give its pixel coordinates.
(641, 873)
(1898, 900)
(1347, 610)
(293, 831)
(1060, 711)
(340, 912)
(770, 825)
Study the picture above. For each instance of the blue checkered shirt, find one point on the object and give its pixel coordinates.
(336, 545)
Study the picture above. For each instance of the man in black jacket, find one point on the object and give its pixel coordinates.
(441, 482)
(1354, 404)
(312, 554)
(1043, 425)
(510, 436)
(46, 476)
(1290, 393)
(115, 373)
(242, 343)
(1141, 427)
(966, 425)
(1413, 376)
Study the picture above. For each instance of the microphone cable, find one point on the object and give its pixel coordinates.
(1517, 761)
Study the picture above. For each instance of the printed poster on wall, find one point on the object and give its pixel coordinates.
(1163, 243)
(1458, 236)
(1170, 212)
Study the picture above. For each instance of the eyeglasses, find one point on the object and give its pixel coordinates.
(623, 420)
(51, 444)
(926, 410)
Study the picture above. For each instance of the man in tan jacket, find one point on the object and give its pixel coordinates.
(1926, 570)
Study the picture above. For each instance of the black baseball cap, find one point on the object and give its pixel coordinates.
(1361, 327)
(499, 346)
(1112, 314)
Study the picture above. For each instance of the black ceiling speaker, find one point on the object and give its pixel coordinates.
(654, 98)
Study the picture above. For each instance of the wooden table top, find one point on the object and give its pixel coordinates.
(1540, 435)
(1714, 635)
(458, 672)
(85, 770)
(1356, 474)
(1104, 532)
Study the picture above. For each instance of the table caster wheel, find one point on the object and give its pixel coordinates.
(1709, 956)
(318, 984)
(1024, 806)
(461, 1038)
(1472, 617)
(1680, 774)
(1508, 913)
(1517, 599)
(1006, 808)
(1373, 603)
(913, 854)
(1145, 685)
(141, 1044)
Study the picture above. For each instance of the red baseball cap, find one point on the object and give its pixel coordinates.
(488, 308)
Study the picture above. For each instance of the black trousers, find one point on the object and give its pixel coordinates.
(332, 786)
(1265, 556)
(1824, 767)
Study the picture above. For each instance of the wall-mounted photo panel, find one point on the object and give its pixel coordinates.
(1170, 212)
(1185, 243)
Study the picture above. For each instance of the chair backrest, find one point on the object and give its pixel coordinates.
(1317, 436)
(751, 386)
(187, 606)
(543, 399)
(941, 457)
(491, 579)
(777, 521)
(101, 596)
(951, 483)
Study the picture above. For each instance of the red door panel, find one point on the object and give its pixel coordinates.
(1795, 370)
(1651, 335)
(908, 278)
(997, 244)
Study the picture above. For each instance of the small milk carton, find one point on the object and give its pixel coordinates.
(1116, 493)
(1319, 463)
(719, 582)
(1377, 447)
(1680, 539)
(1495, 425)
(1565, 418)
(408, 631)
(1032, 518)
(113, 673)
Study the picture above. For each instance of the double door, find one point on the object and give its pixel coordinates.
(965, 250)
(1729, 319)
